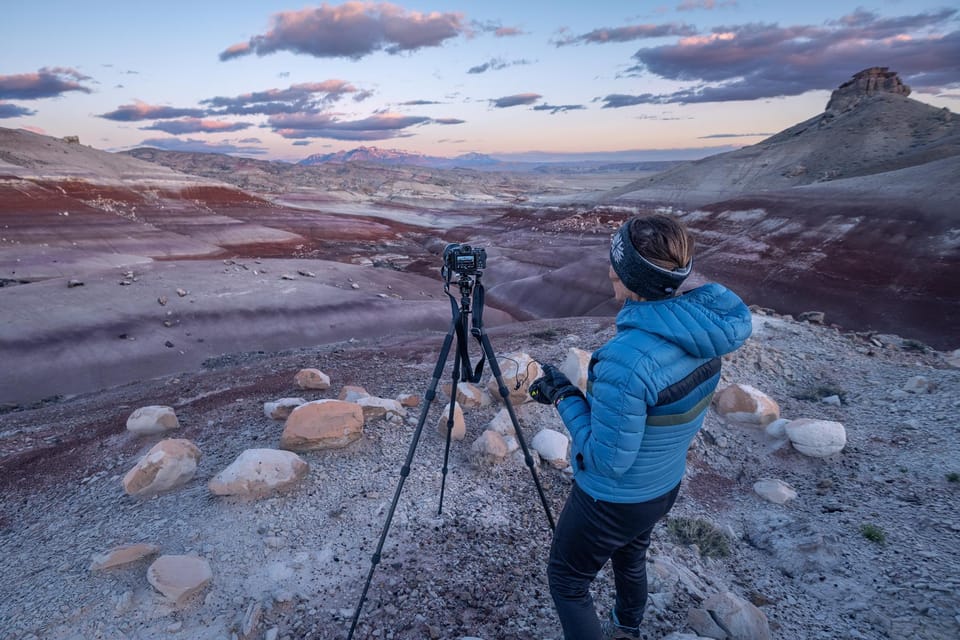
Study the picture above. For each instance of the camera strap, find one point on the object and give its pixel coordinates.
(468, 374)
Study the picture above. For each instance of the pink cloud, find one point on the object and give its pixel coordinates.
(351, 30)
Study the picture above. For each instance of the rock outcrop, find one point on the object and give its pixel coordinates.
(864, 84)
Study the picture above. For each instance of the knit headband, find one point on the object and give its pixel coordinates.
(638, 274)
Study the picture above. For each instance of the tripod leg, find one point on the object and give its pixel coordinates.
(405, 469)
(453, 407)
(505, 394)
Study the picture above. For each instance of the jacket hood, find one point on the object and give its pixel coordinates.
(706, 322)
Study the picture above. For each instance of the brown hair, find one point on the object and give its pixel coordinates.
(662, 240)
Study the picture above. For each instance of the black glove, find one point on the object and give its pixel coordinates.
(553, 386)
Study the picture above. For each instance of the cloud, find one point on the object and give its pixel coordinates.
(197, 125)
(558, 108)
(626, 34)
(302, 143)
(515, 100)
(306, 96)
(495, 64)
(250, 141)
(48, 82)
(192, 144)
(8, 110)
(447, 121)
(751, 61)
(143, 111)
(497, 29)
(691, 5)
(417, 103)
(351, 30)
(326, 125)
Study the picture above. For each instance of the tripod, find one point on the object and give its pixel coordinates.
(469, 282)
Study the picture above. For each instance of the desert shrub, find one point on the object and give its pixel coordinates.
(708, 538)
(953, 476)
(914, 345)
(873, 533)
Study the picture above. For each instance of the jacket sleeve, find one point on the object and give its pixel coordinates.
(607, 428)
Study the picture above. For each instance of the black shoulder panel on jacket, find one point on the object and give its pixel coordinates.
(680, 389)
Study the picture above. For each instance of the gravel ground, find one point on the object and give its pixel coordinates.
(293, 565)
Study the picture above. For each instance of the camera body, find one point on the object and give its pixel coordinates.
(464, 259)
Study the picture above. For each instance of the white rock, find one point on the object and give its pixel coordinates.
(575, 367)
(312, 379)
(775, 491)
(833, 400)
(257, 472)
(816, 438)
(169, 464)
(122, 555)
(374, 408)
(282, 408)
(746, 404)
(953, 358)
(740, 618)
(502, 423)
(459, 431)
(409, 400)
(469, 395)
(352, 393)
(552, 447)
(919, 384)
(179, 577)
(777, 428)
(322, 424)
(490, 448)
(152, 419)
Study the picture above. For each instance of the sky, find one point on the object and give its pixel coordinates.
(518, 79)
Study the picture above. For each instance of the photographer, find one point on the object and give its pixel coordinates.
(648, 390)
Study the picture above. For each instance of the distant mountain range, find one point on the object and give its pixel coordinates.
(375, 155)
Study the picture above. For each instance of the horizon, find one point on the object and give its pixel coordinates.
(676, 80)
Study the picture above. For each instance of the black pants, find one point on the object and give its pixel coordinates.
(588, 533)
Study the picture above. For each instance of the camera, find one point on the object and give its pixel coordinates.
(464, 259)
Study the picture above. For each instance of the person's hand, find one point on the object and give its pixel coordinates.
(553, 386)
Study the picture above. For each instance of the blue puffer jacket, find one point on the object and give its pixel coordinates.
(648, 390)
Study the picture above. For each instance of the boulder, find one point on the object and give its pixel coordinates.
(746, 404)
(312, 379)
(179, 577)
(919, 384)
(518, 370)
(469, 395)
(459, 431)
(816, 438)
(575, 367)
(153, 419)
(502, 423)
(258, 472)
(775, 491)
(374, 408)
(122, 555)
(282, 408)
(953, 358)
(169, 464)
(489, 449)
(409, 400)
(778, 428)
(726, 615)
(352, 393)
(552, 447)
(322, 424)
